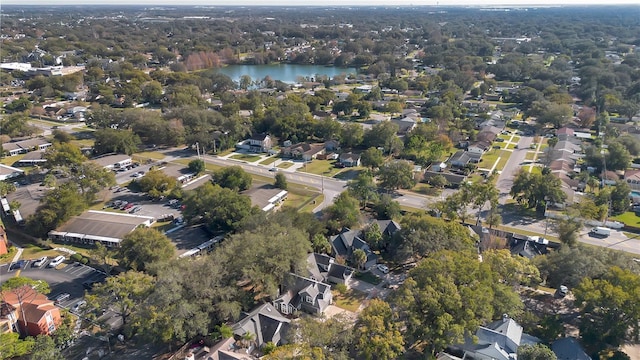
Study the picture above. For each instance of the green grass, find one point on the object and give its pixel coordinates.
(83, 143)
(628, 218)
(246, 157)
(311, 204)
(32, 251)
(530, 155)
(511, 146)
(426, 189)
(6, 258)
(148, 155)
(321, 167)
(285, 165)
(207, 166)
(368, 277)
(269, 160)
(350, 301)
(10, 160)
(491, 156)
(502, 163)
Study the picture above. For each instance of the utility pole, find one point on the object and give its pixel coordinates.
(198, 149)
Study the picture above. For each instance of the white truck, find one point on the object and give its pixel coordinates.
(601, 231)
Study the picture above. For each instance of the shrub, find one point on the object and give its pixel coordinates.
(84, 261)
(76, 257)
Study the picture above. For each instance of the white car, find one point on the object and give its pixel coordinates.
(40, 262)
(383, 268)
(56, 261)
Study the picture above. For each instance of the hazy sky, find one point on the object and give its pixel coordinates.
(320, 3)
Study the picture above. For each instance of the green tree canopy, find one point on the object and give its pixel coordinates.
(280, 181)
(219, 208)
(45, 348)
(533, 189)
(609, 307)
(144, 246)
(232, 177)
(536, 352)
(372, 158)
(157, 183)
(396, 175)
(115, 141)
(345, 211)
(377, 333)
(196, 166)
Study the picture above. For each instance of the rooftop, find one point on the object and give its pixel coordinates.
(103, 224)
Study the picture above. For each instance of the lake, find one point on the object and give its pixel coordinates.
(288, 73)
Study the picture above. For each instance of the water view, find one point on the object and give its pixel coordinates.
(288, 73)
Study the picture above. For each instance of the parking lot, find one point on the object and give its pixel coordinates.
(66, 279)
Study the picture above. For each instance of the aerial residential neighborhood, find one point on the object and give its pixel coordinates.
(336, 182)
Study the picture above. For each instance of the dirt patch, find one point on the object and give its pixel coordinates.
(633, 351)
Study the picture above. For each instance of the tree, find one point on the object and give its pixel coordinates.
(447, 296)
(351, 135)
(144, 246)
(533, 189)
(568, 230)
(618, 157)
(536, 352)
(422, 235)
(373, 235)
(57, 206)
(372, 158)
(123, 294)
(359, 258)
(45, 348)
(280, 181)
(115, 141)
(377, 335)
(218, 208)
(438, 181)
(396, 175)
(63, 154)
(196, 166)
(363, 188)
(156, 183)
(320, 244)
(386, 208)
(609, 307)
(344, 212)
(381, 135)
(11, 346)
(232, 177)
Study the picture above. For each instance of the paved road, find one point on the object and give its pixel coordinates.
(505, 179)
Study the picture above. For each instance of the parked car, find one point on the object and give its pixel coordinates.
(18, 265)
(273, 169)
(383, 268)
(601, 231)
(40, 262)
(128, 206)
(79, 305)
(56, 261)
(62, 297)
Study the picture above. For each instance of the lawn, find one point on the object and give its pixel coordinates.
(321, 167)
(207, 166)
(628, 218)
(530, 155)
(10, 160)
(426, 189)
(246, 157)
(269, 160)
(350, 301)
(8, 257)
(148, 155)
(503, 161)
(83, 143)
(511, 146)
(285, 165)
(490, 158)
(368, 277)
(33, 252)
(312, 203)
(297, 200)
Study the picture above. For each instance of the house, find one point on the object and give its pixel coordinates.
(303, 294)
(528, 248)
(331, 145)
(632, 177)
(345, 243)
(569, 349)
(496, 341)
(438, 167)
(9, 172)
(454, 179)
(303, 151)
(260, 143)
(4, 242)
(388, 227)
(325, 269)
(30, 312)
(460, 159)
(265, 324)
(349, 159)
(564, 133)
(405, 125)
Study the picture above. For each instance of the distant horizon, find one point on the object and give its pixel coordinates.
(328, 3)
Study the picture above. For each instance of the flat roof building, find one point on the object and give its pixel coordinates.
(113, 161)
(99, 226)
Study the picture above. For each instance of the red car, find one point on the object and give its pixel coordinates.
(129, 206)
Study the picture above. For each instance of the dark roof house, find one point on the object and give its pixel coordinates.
(265, 324)
(569, 349)
(303, 294)
(345, 243)
(324, 268)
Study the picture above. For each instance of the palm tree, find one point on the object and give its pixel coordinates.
(360, 258)
(246, 339)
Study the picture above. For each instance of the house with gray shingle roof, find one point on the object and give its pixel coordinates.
(264, 323)
(324, 268)
(348, 241)
(303, 294)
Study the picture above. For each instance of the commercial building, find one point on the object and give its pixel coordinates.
(94, 226)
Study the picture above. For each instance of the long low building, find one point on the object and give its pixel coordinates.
(94, 226)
